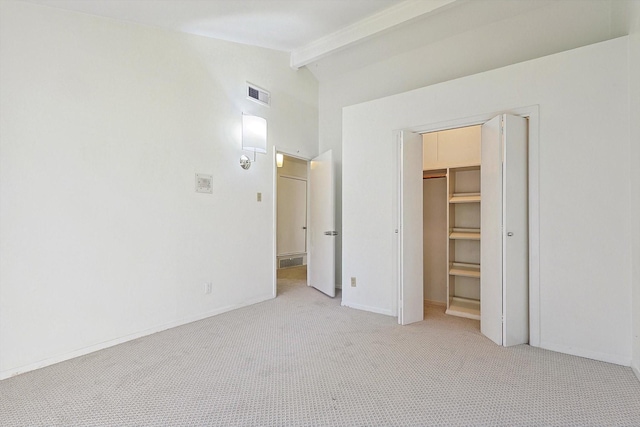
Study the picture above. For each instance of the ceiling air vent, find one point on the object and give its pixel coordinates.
(258, 95)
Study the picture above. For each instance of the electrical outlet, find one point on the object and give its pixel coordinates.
(353, 282)
(259, 197)
(208, 287)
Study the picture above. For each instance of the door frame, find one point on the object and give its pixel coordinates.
(274, 255)
(532, 113)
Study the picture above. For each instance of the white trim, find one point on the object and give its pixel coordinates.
(274, 228)
(594, 355)
(364, 29)
(106, 344)
(397, 255)
(386, 312)
(532, 112)
(636, 371)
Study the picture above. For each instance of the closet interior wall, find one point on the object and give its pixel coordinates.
(451, 215)
(434, 215)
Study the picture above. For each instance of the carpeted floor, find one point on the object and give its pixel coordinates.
(303, 360)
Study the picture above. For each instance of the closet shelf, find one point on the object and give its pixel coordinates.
(464, 269)
(436, 173)
(465, 233)
(464, 307)
(465, 198)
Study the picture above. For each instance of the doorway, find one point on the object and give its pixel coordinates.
(291, 221)
(318, 258)
(504, 216)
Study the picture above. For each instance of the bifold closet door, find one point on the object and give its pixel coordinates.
(411, 306)
(504, 290)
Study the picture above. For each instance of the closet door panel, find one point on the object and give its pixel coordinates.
(516, 242)
(411, 230)
(491, 225)
(504, 244)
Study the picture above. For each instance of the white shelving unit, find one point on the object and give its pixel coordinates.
(463, 254)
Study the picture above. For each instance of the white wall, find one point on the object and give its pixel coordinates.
(634, 82)
(449, 46)
(102, 127)
(584, 180)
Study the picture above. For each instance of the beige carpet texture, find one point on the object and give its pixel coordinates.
(303, 360)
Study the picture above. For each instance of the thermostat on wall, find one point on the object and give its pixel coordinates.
(204, 183)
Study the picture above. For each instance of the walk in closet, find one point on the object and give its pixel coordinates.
(451, 213)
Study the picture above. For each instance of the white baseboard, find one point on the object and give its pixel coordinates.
(588, 354)
(110, 343)
(367, 308)
(636, 371)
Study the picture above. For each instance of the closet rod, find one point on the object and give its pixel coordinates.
(434, 174)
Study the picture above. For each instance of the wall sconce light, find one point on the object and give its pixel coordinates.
(254, 138)
(279, 159)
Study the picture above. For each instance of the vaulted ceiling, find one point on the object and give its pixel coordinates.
(312, 30)
(277, 24)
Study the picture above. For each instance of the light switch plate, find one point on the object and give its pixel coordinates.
(204, 183)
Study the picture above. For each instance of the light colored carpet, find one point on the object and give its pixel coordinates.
(303, 360)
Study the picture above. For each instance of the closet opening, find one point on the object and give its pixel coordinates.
(451, 220)
(470, 231)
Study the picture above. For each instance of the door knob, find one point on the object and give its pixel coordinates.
(509, 234)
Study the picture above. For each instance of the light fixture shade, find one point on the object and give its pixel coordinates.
(279, 159)
(254, 134)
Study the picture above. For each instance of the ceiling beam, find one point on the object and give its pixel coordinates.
(361, 30)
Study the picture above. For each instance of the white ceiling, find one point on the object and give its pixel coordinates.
(308, 29)
(325, 30)
(285, 25)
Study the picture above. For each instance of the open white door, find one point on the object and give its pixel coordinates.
(410, 272)
(504, 244)
(321, 262)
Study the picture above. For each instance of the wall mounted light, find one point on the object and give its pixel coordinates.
(279, 159)
(254, 138)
